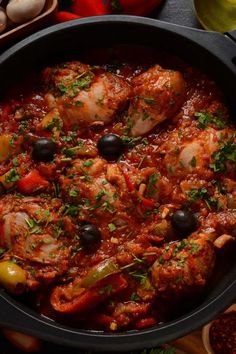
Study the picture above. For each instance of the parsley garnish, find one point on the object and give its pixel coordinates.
(12, 176)
(193, 162)
(88, 163)
(205, 119)
(111, 227)
(71, 209)
(134, 297)
(226, 154)
(151, 184)
(74, 193)
(54, 123)
(2, 250)
(203, 194)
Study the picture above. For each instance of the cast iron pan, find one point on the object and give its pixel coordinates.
(214, 53)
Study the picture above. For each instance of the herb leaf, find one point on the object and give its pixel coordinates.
(206, 118)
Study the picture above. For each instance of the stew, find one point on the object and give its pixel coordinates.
(117, 188)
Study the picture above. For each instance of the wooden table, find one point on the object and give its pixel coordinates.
(191, 344)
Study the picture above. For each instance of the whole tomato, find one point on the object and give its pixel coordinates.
(134, 7)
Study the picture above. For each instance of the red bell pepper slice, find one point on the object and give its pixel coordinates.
(134, 7)
(32, 182)
(89, 298)
(145, 322)
(63, 16)
(128, 181)
(146, 202)
(90, 7)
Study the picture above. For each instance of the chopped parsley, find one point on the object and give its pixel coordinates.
(12, 176)
(71, 152)
(78, 103)
(145, 116)
(205, 118)
(82, 83)
(88, 163)
(193, 162)
(203, 194)
(225, 154)
(2, 250)
(129, 141)
(74, 193)
(134, 297)
(194, 247)
(71, 210)
(101, 194)
(151, 184)
(111, 227)
(54, 123)
(15, 162)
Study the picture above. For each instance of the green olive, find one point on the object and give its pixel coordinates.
(12, 277)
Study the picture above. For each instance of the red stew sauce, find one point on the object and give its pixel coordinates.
(117, 186)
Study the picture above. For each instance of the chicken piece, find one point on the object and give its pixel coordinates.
(158, 94)
(96, 186)
(184, 266)
(29, 231)
(220, 223)
(84, 94)
(193, 151)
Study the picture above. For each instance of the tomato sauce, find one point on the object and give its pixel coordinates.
(124, 238)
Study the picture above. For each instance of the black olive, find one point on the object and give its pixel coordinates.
(43, 150)
(110, 146)
(184, 221)
(89, 235)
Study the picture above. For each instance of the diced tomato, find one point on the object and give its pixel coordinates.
(32, 182)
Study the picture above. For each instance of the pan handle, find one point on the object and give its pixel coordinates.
(232, 35)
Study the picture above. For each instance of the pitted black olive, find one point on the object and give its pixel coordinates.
(184, 221)
(110, 146)
(89, 235)
(43, 150)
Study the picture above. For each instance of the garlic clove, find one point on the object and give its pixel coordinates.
(3, 19)
(20, 11)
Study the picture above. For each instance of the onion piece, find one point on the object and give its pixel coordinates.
(222, 240)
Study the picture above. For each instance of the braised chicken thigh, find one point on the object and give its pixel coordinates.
(83, 93)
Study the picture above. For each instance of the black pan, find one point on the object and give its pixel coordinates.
(213, 52)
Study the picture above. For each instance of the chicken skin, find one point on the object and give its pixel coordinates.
(29, 231)
(84, 94)
(186, 265)
(158, 94)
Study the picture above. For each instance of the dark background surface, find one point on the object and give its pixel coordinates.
(175, 11)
